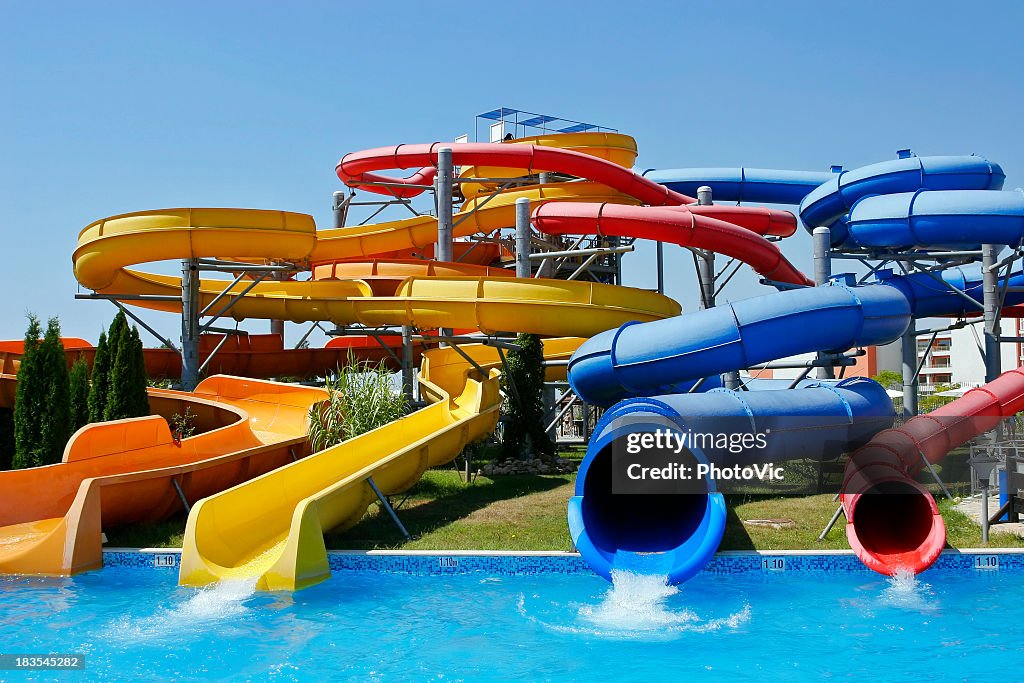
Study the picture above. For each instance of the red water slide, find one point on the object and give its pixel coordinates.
(892, 521)
(358, 168)
(698, 226)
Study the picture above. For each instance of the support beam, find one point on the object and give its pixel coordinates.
(990, 300)
(386, 504)
(598, 251)
(443, 195)
(822, 238)
(523, 237)
(706, 279)
(339, 206)
(660, 255)
(407, 367)
(908, 348)
(189, 324)
(444, 204)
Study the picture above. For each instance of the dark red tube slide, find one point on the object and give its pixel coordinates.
(683, 227)
(358, 168)
(892, 521)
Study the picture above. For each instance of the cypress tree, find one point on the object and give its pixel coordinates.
(79, 389)
(524, 428)
(119, 394)
(28, 401)
(140, 400)
(56, 423)
(126, 395)
(100, 380)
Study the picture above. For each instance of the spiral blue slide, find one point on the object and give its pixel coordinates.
(644, 368)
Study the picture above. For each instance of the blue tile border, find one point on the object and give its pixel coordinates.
(527, 564)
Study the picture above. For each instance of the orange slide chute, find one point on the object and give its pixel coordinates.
(260, 356)
(126, 470)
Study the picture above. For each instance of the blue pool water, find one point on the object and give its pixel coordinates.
(137, 624)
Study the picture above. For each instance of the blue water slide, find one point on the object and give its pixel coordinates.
(645, 359)
(827, 204)
(760, 185)
(913, 201)
(953, 218)
(818, 420)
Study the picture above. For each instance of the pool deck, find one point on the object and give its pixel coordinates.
(972, 508)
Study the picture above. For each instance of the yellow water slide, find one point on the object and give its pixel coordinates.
(272, 526)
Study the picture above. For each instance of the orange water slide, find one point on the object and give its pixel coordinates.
(135, 470)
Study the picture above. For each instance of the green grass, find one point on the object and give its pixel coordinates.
(528, 513)
(443, 513)
(166, 534)
(964, 532)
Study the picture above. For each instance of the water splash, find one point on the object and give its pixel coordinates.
(905, 590)
(638, 606)
(220, 602)
(636, 602)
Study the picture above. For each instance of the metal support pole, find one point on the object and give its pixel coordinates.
(181, 494)
(822, 237)
(444, 204)
(706, 279)
(984, 511)
(908, 347)
(277, 326)
(523, 237)
(831, 523)
(443, 194)
(935, 476)
(189, 324)
(386, 504)
(660, 252)
(340, 208)
(705, 258)
(407, 369)
(990, 299)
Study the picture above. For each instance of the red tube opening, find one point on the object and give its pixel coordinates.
(896, 525)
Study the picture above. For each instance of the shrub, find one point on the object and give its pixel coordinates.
(361, 398)
(42, 406)
(29, 400)
(100, 380)
(78, 383)
(523, 432)
(183, 425)
(126, 384)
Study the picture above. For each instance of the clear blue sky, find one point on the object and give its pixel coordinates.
(114, 107)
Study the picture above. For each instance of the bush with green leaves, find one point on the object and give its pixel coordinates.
(523, 435)
(42, 406)
(126, 393)
(183, 425)
(78, 387)
(361, 397)
(118, 374)
(100, 380)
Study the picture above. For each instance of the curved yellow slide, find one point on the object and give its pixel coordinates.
(272, 526)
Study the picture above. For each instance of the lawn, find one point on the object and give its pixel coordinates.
(442, 512)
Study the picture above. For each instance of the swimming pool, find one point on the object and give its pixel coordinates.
(138, 624)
